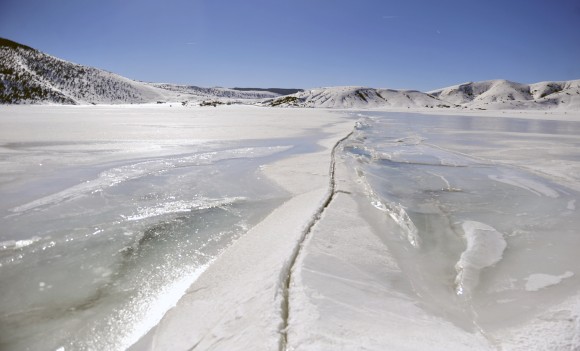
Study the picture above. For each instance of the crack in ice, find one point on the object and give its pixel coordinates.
(287, 272)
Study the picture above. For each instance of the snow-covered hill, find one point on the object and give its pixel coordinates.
(492, 94)
(503, 94)
(359, 97)
(30, 76)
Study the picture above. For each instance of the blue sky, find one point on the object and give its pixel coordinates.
(414, 44)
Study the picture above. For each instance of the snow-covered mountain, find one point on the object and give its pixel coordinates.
(492, 94)
(30, 76)
(503, 94)
(359, 97)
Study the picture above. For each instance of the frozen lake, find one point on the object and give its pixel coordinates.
(109, 214)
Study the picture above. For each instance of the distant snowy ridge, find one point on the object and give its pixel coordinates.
(492, 94)
(502, 94)
(30, 76)
(359, 97)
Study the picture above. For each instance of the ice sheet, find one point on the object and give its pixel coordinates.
(497, 229)
(359, 281)
(115, 176)
(349, 292)
(133, 203)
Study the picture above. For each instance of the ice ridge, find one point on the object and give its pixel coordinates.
(485, 247)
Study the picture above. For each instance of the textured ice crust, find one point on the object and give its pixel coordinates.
(18, 244)
(530, 185)
(200, 203)
(398, 213)
(115, 176)
(143, 313)
(131, 239)
(484, 248)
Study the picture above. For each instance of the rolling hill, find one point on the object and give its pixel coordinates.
(485, 95)
(28, 76)
(358, 97)
(503, 94)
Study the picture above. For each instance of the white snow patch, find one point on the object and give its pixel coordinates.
(540, 281)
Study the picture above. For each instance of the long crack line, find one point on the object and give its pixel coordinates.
(287, 272)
